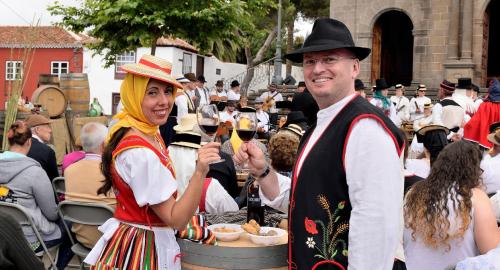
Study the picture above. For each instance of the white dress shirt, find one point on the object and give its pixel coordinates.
(491, 174)
(276, 98)
(226, 116)
(418, 102)
(402, 106)
(263, 118)
(182, 106)
(222, 93)
(375, 177)
(204, 96)
(231, 95)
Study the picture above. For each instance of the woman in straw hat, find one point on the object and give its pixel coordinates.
(137, 166)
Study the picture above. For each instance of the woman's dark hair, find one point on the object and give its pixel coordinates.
(18, 133)
(107, 160)
(453, 175)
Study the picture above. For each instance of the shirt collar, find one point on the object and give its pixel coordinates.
(328, 113)
(92, 156)
(38, 138)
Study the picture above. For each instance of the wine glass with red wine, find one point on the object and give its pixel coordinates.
(208, 121)
(246, 127)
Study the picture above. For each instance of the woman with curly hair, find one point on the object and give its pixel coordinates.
(448, 217)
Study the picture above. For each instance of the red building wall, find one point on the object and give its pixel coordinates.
(40, 60)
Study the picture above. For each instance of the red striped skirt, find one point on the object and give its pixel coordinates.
(130, 248)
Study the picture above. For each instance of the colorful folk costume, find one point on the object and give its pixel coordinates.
(142, 175)
(477, 129)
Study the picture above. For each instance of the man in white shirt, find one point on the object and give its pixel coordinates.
(460, 96)
(229, 114)
(234, 92)
(183, 99)
(202, 91)
(262, 118)
(271, 97)
(348, 180)
(447, 111)
(417, 103)
(490, 166)
(218, 94)
(401, 104)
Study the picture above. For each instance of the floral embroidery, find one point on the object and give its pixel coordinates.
(310, 226)
(331, 244)
(310, 242)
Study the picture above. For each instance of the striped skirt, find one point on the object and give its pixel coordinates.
(130, 248)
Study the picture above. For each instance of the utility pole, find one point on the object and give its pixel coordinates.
(277, 60)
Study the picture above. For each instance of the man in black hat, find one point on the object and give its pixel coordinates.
(201, 91)
(460, 96)
(347, 187)
(360, 87)
(234, 92)
(303, 101)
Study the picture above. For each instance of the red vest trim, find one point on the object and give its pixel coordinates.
(127, 208)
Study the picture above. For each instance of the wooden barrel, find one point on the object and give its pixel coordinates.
(51, 98)
(240, 254)
(48, 79)
(76, 88)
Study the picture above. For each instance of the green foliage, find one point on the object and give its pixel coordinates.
(125, 25)
(313, 9)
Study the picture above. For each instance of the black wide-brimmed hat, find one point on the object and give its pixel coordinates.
(358, 85)
(464, 83)
(381, 84)
(295, 117)
(328, 34)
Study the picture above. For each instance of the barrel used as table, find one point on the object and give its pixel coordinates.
(237, 255)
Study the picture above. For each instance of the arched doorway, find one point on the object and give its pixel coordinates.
(491, 38)
(392, 48)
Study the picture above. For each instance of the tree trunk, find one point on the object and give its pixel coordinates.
(153, 46)
(289, 45)
(253, 62)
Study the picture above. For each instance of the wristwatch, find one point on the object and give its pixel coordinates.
(264, 174)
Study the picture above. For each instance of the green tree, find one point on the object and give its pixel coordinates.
(308, 9)
(125, 25)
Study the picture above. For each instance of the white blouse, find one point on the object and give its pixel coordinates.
(152, 183)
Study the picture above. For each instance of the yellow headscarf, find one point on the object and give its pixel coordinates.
(132, 93)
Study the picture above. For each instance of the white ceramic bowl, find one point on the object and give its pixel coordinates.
(226, 236)
(267, 240)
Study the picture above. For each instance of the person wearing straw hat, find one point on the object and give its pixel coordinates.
(183, 151)
(433, 140)
(137, 166)
(491, 173)
(335, 198)
(417, 103)
(183, 100)
(401, 104)
(416, 147)
(262, 118)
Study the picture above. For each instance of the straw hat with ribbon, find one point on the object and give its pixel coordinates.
(186, 123)
(494, 137)
(133, 89)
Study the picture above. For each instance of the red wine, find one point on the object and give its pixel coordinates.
(209, 129)
(245, 134)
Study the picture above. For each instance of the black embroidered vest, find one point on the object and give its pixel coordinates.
(319, 201)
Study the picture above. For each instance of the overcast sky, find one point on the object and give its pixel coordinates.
(26, 12)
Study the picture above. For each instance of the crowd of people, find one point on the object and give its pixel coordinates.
(358, 195)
